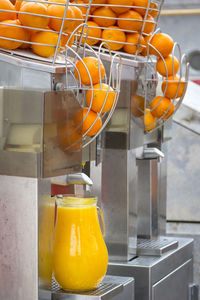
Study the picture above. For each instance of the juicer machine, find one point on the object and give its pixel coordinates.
(126, 164)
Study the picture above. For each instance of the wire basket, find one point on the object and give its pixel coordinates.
(97, 87)
(123, 27)
(162, 90)
(40, 29)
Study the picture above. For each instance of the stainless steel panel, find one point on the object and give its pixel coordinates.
(29, 133)
(60, 108)
(119, 200)
(46, 221)
(148, 198)
(175, 285)
(115, 288)
(19, 236)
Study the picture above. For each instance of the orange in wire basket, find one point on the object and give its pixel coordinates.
(82, 8)
(18, 4)
(163, 43)
(33, 21)
(95, 3)
(141, 6)
(92, 121)
(162, 107)
(121, 5)
(47, 38)
(171, 68)
(11, 32)
(149, 120)
(27, 39)
(93, 66)
(146, 50)
(94, 33)
(100, 92)
(174, 87)
(58, 11)
(148, 24)
(4, 15)
(78, 16)
(114, 37)
(133, 21)
(66, 38)
(105, 11)
(135, 39)
(154, 10)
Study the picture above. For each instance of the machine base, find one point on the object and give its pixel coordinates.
(112, 287)
(161, 278)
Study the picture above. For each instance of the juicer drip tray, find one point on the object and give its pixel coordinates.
(157, 247)
(112, 286)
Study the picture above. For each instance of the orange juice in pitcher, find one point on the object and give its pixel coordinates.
(80, 257)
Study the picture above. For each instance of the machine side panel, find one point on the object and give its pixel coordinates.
(175, 285)
(18, 238)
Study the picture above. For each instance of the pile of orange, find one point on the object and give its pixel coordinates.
(36, 25)
(99, 97)
(121, 24)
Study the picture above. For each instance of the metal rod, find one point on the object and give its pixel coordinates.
(180, 12)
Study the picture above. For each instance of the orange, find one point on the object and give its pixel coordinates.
(67, 39)
(18, 4)
(114, 37)
(82, 8)
(175, 87)
(34, 21)
(103, 97)
(27, 39)
(95, 3)
(104, 11)
(163, 43)
(58, 12)
(92, 64)
(148, 24)
(141, 6)
(78, 16)
(134, 39)
(137, 105)
(47, 38)
(70, 136)
(122, 5)
(149, 120)
(154, 10)
(161, 107)
(12, 32)
(91, 123)
(145, 50)
(133, 21)
(93, 32)
(172, 65)
(4, 15)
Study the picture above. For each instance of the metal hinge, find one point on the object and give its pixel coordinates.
(193, 292)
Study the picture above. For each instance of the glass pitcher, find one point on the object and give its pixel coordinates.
(80, 256)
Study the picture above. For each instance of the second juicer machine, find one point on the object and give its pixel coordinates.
(127, 166)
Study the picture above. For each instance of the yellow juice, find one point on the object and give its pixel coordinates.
(80, 256)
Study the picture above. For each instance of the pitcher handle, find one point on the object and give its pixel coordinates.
(103, 229)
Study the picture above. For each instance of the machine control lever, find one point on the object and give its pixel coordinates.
(149, 153)
(153, 153)
(82, 183)
(79, 178)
